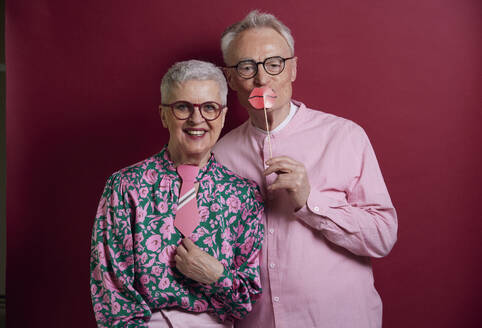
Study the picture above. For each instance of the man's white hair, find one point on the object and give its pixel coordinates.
(193, 70)
(255, 19)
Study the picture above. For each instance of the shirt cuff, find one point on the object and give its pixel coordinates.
(222, 285)
(322, 213)
(225, 280)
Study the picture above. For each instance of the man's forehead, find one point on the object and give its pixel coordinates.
(259, 43)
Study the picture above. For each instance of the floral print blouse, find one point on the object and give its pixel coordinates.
(134, 242)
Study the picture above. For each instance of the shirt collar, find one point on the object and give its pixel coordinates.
(169, 166)
(293, 109)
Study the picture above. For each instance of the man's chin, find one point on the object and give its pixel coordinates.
(255, 111)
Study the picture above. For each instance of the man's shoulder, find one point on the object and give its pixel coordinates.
(231, 141)
(234, 134)
(317, 118)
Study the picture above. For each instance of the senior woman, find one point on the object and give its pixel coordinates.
(144, 272)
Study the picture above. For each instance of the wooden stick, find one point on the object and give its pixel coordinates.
(269, 136)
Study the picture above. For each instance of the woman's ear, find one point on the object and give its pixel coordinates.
(162, 114)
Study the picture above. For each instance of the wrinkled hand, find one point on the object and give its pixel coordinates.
(292, 176)
(196, 264)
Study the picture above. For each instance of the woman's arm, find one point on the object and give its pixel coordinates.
(116, 302)
(239, 285)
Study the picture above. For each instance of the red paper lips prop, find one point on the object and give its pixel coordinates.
(261, 98)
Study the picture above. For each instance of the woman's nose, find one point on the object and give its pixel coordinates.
(196, 116)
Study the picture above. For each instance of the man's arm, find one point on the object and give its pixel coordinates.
(364, 222)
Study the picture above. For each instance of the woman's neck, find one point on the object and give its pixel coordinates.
(181, 159)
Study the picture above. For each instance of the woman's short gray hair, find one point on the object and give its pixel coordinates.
(193, 70)
(255, 19)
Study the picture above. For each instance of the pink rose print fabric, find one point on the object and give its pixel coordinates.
(134, 242)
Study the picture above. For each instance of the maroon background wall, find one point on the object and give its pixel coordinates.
(82, 93)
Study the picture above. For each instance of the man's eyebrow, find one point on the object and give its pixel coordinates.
(251, 59)
(245, 59)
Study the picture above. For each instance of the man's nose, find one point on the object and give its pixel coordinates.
(261, 78)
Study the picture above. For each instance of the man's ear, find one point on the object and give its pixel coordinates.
(294, 64)
(228, 74)
(223, 116)
(162, 114)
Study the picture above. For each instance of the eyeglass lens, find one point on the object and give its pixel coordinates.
(272, 65)
(209, 110)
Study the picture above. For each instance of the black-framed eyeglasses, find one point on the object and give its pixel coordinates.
(182, 110)
(272, 65)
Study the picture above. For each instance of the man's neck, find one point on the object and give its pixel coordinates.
(275, 117)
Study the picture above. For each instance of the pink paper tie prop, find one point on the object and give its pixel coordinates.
(187, 215)
(263, 98)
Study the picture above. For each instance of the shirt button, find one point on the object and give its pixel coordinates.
(276, 299)
(272, 265)
(271, 230)
(316, 208)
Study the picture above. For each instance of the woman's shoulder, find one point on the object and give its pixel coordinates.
(227, 176)
(147, 171)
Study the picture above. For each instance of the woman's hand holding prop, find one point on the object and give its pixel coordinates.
(196, 264)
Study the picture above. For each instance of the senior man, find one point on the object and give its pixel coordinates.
(327, 207)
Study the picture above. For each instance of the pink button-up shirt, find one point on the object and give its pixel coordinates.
(316, 269)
